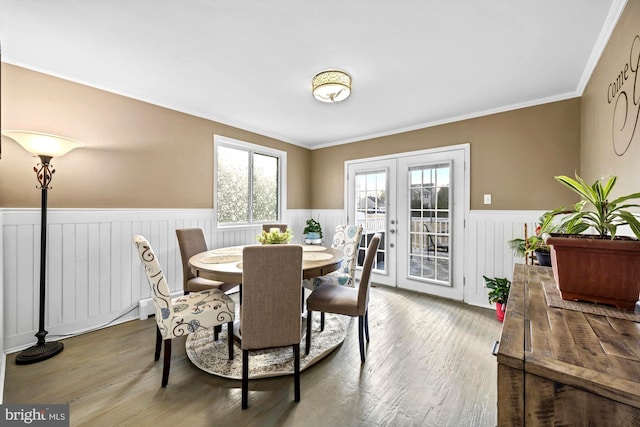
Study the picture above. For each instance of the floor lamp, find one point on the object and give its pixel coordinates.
(46, 147)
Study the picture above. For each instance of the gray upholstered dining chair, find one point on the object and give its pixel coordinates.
(270, 314)
(328, 298)
(183, 315)
(191, 241)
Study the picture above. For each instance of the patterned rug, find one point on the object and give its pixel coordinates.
(213, 356)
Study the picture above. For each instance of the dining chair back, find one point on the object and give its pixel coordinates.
(268, 227)
(270, 313)
(191, 241)
(183, 315)
(347, 301)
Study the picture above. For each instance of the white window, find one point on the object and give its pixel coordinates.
(249, 182)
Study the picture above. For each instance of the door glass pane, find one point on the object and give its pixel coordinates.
(265, 188)
(233, 185)
(370, 203)
(429, 218)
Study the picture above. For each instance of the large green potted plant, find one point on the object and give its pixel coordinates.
(603, 267)
(498, 294)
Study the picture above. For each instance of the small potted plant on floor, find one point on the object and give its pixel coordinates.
(313, 232)
(498, 294)
(602, 267)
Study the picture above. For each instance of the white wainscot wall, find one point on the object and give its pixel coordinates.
(94, 276)
(486, 250)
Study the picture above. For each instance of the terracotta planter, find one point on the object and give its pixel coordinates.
(588, 268)
(500, 309)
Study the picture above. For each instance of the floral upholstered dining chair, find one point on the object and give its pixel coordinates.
(346, 239)
(183, 315)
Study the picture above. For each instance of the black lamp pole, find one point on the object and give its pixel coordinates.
(42, 350)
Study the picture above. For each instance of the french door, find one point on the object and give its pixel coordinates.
(417, 202)
(371, 190)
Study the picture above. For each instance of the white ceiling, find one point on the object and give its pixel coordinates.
(249, 63)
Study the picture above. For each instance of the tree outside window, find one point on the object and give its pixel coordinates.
(248, 183)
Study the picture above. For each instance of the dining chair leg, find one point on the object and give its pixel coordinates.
(308, 339)
(158, 343)
(167, 362)
(321, 321)
(366, 325)
(230, 339)
(360, 337)
(296, 372)
(245, 379)
(216, 332)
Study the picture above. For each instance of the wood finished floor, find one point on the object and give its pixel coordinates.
(429, 363)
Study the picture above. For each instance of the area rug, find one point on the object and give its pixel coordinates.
(554, 299)
(213, 356)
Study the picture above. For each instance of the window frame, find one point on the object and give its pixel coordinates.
(219, 140)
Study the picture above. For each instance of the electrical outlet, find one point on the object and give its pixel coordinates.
(487, 199)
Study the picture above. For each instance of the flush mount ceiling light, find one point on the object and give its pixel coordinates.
(331, 85)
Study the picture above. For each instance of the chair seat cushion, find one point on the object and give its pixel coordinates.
(200, 284)
(204, 309)
(335, 299)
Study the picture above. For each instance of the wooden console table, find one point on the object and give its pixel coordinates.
(564, 367)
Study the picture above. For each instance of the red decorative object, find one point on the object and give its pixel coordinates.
(500, 310)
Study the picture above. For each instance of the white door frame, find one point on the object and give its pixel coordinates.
(388, 241)
(459, 262)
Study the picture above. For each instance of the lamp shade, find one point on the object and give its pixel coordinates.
(42, 144)
(331, 86)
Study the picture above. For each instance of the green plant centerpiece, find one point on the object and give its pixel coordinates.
(275, 237)
(312, 232)
(498, 294)
(602, 267)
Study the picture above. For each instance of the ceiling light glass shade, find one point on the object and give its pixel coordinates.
(331, 86)
(42, 144)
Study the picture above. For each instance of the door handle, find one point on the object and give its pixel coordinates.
(392, 231)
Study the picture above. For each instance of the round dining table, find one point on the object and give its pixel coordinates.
(225, 264)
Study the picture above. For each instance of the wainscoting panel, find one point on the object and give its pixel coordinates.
(329, 219)
(486, 250)
(94, 277)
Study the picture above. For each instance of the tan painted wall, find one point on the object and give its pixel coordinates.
(514, 156)
(136, 155)
(604, 108)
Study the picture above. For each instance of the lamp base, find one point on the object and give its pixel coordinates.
(38, 353)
